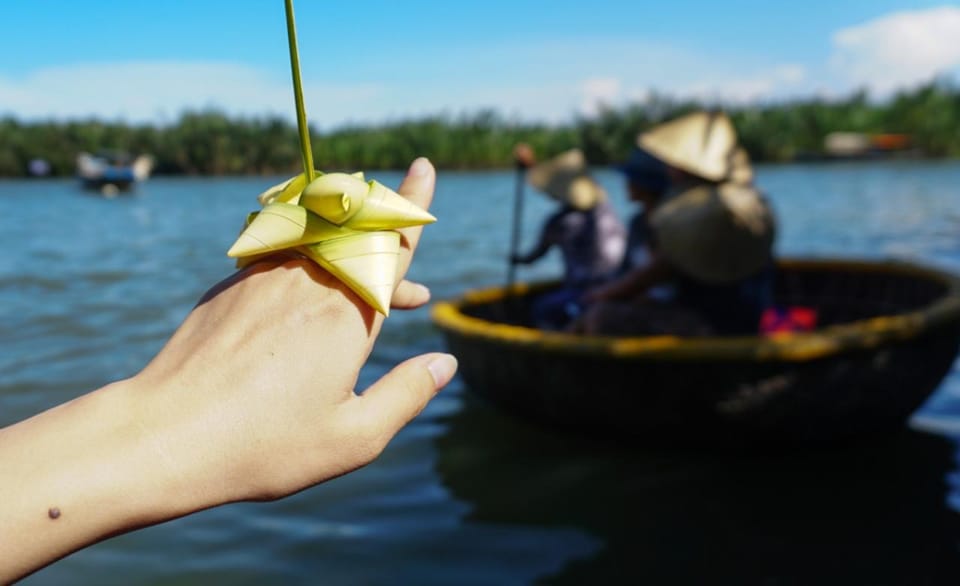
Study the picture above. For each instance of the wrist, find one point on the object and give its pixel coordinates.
(178, 438)
(151, 475)
(85, 470)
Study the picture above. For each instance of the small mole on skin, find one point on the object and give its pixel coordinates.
(53, 513)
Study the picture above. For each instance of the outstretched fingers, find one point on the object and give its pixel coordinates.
(417, 186)
(400, 395)
(409, 295)
(390, 403)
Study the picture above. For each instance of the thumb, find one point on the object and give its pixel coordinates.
(401, 394)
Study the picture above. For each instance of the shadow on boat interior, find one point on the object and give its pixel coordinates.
(839, 296)
(868, 512)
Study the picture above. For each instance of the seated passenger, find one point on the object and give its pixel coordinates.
(711, 237)
(586, 230)
(647, 181)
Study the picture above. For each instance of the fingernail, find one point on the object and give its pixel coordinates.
(419, 167)
(423, 289)
(442, 368)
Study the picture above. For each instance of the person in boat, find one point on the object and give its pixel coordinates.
(711, 236)
(585, 228)
(647, 180)
(227, 411)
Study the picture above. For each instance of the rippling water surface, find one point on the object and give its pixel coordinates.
(90, 288)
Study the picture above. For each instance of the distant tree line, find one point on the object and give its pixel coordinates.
(212, 143)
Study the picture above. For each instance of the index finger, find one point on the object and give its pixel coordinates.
(418, 187)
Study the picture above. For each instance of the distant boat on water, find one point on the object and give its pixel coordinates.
(111, 172)
(859, 146)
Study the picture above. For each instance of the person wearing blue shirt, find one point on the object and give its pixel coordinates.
(585, 228)
(710, 234)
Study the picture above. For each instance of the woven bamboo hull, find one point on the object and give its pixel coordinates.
(856, 377)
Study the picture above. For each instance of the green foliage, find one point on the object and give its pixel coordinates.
(209, 142)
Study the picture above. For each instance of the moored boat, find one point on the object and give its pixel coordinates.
(111, 172)
(887, 334)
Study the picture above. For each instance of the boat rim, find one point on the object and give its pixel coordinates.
(861, 334)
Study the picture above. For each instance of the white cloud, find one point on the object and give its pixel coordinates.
(898, 50)
(776, 82)
(161, 90)
(542, 81)
(607, 72)
(779, 81)
(598, 93)
(539, 80)
(790, 73)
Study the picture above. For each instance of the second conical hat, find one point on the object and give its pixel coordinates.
(715, 234)
(702, 144)
(741, 172)
(566, 179)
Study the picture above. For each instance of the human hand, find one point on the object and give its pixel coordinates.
(594, 295)
(523, 155)
(253, 397)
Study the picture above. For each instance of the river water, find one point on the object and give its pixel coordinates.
(90, 288)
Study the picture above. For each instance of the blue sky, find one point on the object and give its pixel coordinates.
(367, 61)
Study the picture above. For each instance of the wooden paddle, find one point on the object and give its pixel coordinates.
(523, 158)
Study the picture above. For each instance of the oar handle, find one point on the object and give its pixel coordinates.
(521, 172)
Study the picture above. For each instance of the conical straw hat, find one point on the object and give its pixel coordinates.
(283, 225)
(702, 144)
(565, 178)
(715, 234)
(741, 172)
(365, 261)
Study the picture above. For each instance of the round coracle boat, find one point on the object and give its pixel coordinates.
(886, 335)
